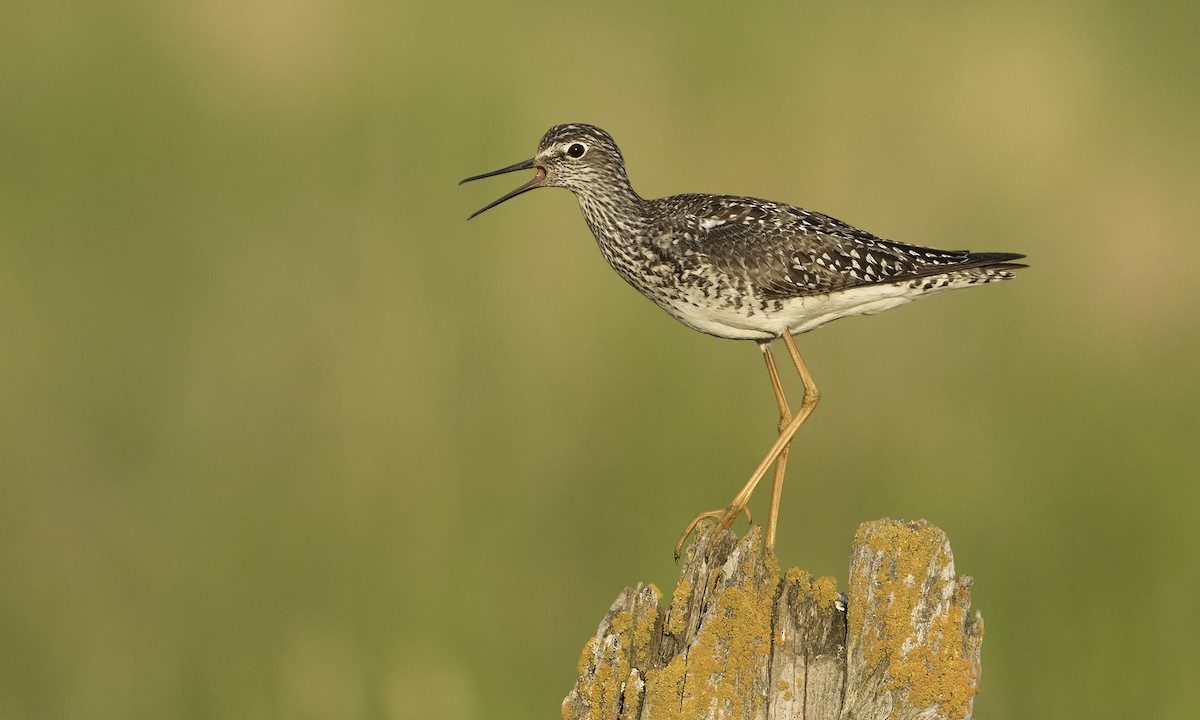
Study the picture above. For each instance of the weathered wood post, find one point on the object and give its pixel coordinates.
(740, 642)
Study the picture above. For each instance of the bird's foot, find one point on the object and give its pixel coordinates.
(723, 517)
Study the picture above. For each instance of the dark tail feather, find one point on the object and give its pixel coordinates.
(995, 260)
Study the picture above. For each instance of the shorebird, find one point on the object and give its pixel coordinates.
(744, 269)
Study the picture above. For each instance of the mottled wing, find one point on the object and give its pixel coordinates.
(785, 251)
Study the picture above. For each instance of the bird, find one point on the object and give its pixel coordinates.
(742, 268)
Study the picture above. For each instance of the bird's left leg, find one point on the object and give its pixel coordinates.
(779, 449)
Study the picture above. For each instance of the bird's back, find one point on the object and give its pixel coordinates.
(744, 268)
(782, 251)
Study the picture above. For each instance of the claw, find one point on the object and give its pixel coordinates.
(789, 423)
(724, 518)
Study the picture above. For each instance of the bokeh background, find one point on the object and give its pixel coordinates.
(283, 436)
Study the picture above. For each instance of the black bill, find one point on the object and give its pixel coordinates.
(536, 182)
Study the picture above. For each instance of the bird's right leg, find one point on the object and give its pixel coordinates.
(789, 424)
(785, 417)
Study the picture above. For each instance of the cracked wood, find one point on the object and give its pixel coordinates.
(740, 641)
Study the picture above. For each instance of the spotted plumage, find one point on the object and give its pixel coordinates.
(740, 267)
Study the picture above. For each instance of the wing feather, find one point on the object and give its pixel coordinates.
(784, 251)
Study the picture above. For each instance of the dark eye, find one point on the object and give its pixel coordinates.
(576, 150)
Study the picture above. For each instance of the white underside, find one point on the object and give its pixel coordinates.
(798, 315)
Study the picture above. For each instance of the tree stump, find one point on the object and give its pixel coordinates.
(738, 642)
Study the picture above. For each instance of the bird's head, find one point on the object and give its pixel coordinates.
(582, 158)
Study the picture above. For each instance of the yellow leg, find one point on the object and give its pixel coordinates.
(789, 424)
(785, 417)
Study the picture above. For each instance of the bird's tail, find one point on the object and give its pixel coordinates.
(994, 261)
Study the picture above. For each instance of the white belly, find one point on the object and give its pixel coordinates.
(798, 315)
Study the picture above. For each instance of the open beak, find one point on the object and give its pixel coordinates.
(536, 182)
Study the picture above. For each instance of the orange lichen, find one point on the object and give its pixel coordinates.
(825, 591)
(629, 697)
(679, 601)
(664, 687)
(727, 658)
(601, 692)
(934, 670)
(585, 657)
(937, 672)
(643, 630)
(733, 649)
(772, 564)
(795, 577)
(622, 622)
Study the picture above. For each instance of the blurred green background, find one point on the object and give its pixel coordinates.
(284, 436)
